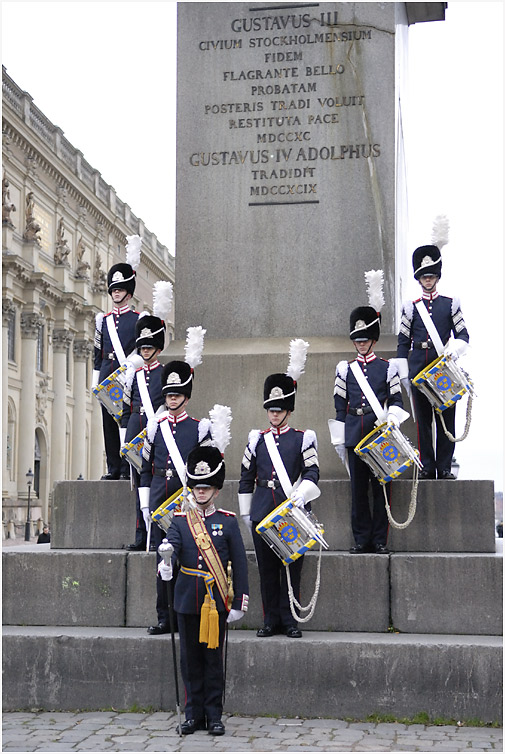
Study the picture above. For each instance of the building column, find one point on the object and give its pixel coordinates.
(82, 352)
(7, 309)
(30, 324)
(61, 341)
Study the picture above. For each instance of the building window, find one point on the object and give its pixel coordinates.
(11, 336)
(67, 362)
(40, 349)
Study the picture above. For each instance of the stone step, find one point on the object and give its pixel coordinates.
(453, 516)
(415, 592)
(334, 675)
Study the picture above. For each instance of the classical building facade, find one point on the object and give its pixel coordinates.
(62, 229)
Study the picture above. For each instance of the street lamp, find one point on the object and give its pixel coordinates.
(29, 482)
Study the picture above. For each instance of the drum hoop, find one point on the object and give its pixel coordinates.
(367, 437)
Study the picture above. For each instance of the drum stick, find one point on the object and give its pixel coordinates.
(148, 543)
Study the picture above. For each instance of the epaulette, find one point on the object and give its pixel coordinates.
(226, 513)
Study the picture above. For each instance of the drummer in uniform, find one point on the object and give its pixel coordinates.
(260, 492)
(206, 540)
(162, 466)
(144, 386)
(355, 418)
(115, 332)
(416, 351)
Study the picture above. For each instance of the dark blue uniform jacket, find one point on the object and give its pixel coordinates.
(187, 433)
(347, 394)
(190, 590)
(103, 348)
(447, 317)
(298, 451)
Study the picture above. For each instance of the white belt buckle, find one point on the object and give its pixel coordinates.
(271, 483)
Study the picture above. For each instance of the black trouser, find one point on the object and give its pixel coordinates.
(140, 526)
(274, 584)
(439, 459)
(201, 669)
(369, 527)
(116, 465)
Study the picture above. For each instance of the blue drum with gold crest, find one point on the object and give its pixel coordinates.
(387, 452)
(443, 382)
(132, 450)
(291, 531)
(164, 514)
(110, 392)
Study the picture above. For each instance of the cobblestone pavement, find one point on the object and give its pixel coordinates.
(126, 732)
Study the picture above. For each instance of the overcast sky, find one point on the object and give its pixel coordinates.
(104, 72)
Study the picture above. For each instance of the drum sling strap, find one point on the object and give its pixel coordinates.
(367, 391)
(381, 416)
(278, 464)
(430, 327)
(144, 394)
(209, 617)
(116, 343)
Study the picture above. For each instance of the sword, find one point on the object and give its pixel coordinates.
(165, 551)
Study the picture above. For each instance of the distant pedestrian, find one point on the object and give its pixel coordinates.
(44, 537)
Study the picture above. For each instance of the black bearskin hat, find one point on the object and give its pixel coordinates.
(205, 466)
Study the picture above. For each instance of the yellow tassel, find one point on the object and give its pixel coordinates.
(204, 620)
(213, 642)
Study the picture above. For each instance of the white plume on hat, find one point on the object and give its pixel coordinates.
(133, 251)
(440, 232)
(194, 346)
(374, 286)
(220, 419)
(163, 292)
(297, 357)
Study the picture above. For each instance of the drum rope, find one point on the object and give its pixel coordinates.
(467, 423)
(412, 504)
(312, 604)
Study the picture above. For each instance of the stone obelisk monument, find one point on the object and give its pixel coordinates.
(287, 153)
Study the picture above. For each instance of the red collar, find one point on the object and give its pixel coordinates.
(148, 367)
(121, 309)
(280, 431)
(177, 419)
(366, 359)
(430, 296)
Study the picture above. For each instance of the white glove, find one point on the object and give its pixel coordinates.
(244, 503)
(337, 431)
(456, 348)
(403, 367)
(306, 491)
(341, 453)
(165, 571)
(234, 615)
(248, 523)
(144, 495)
(122, 435)
(298, 498)
(95, 377)
(396, 415)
